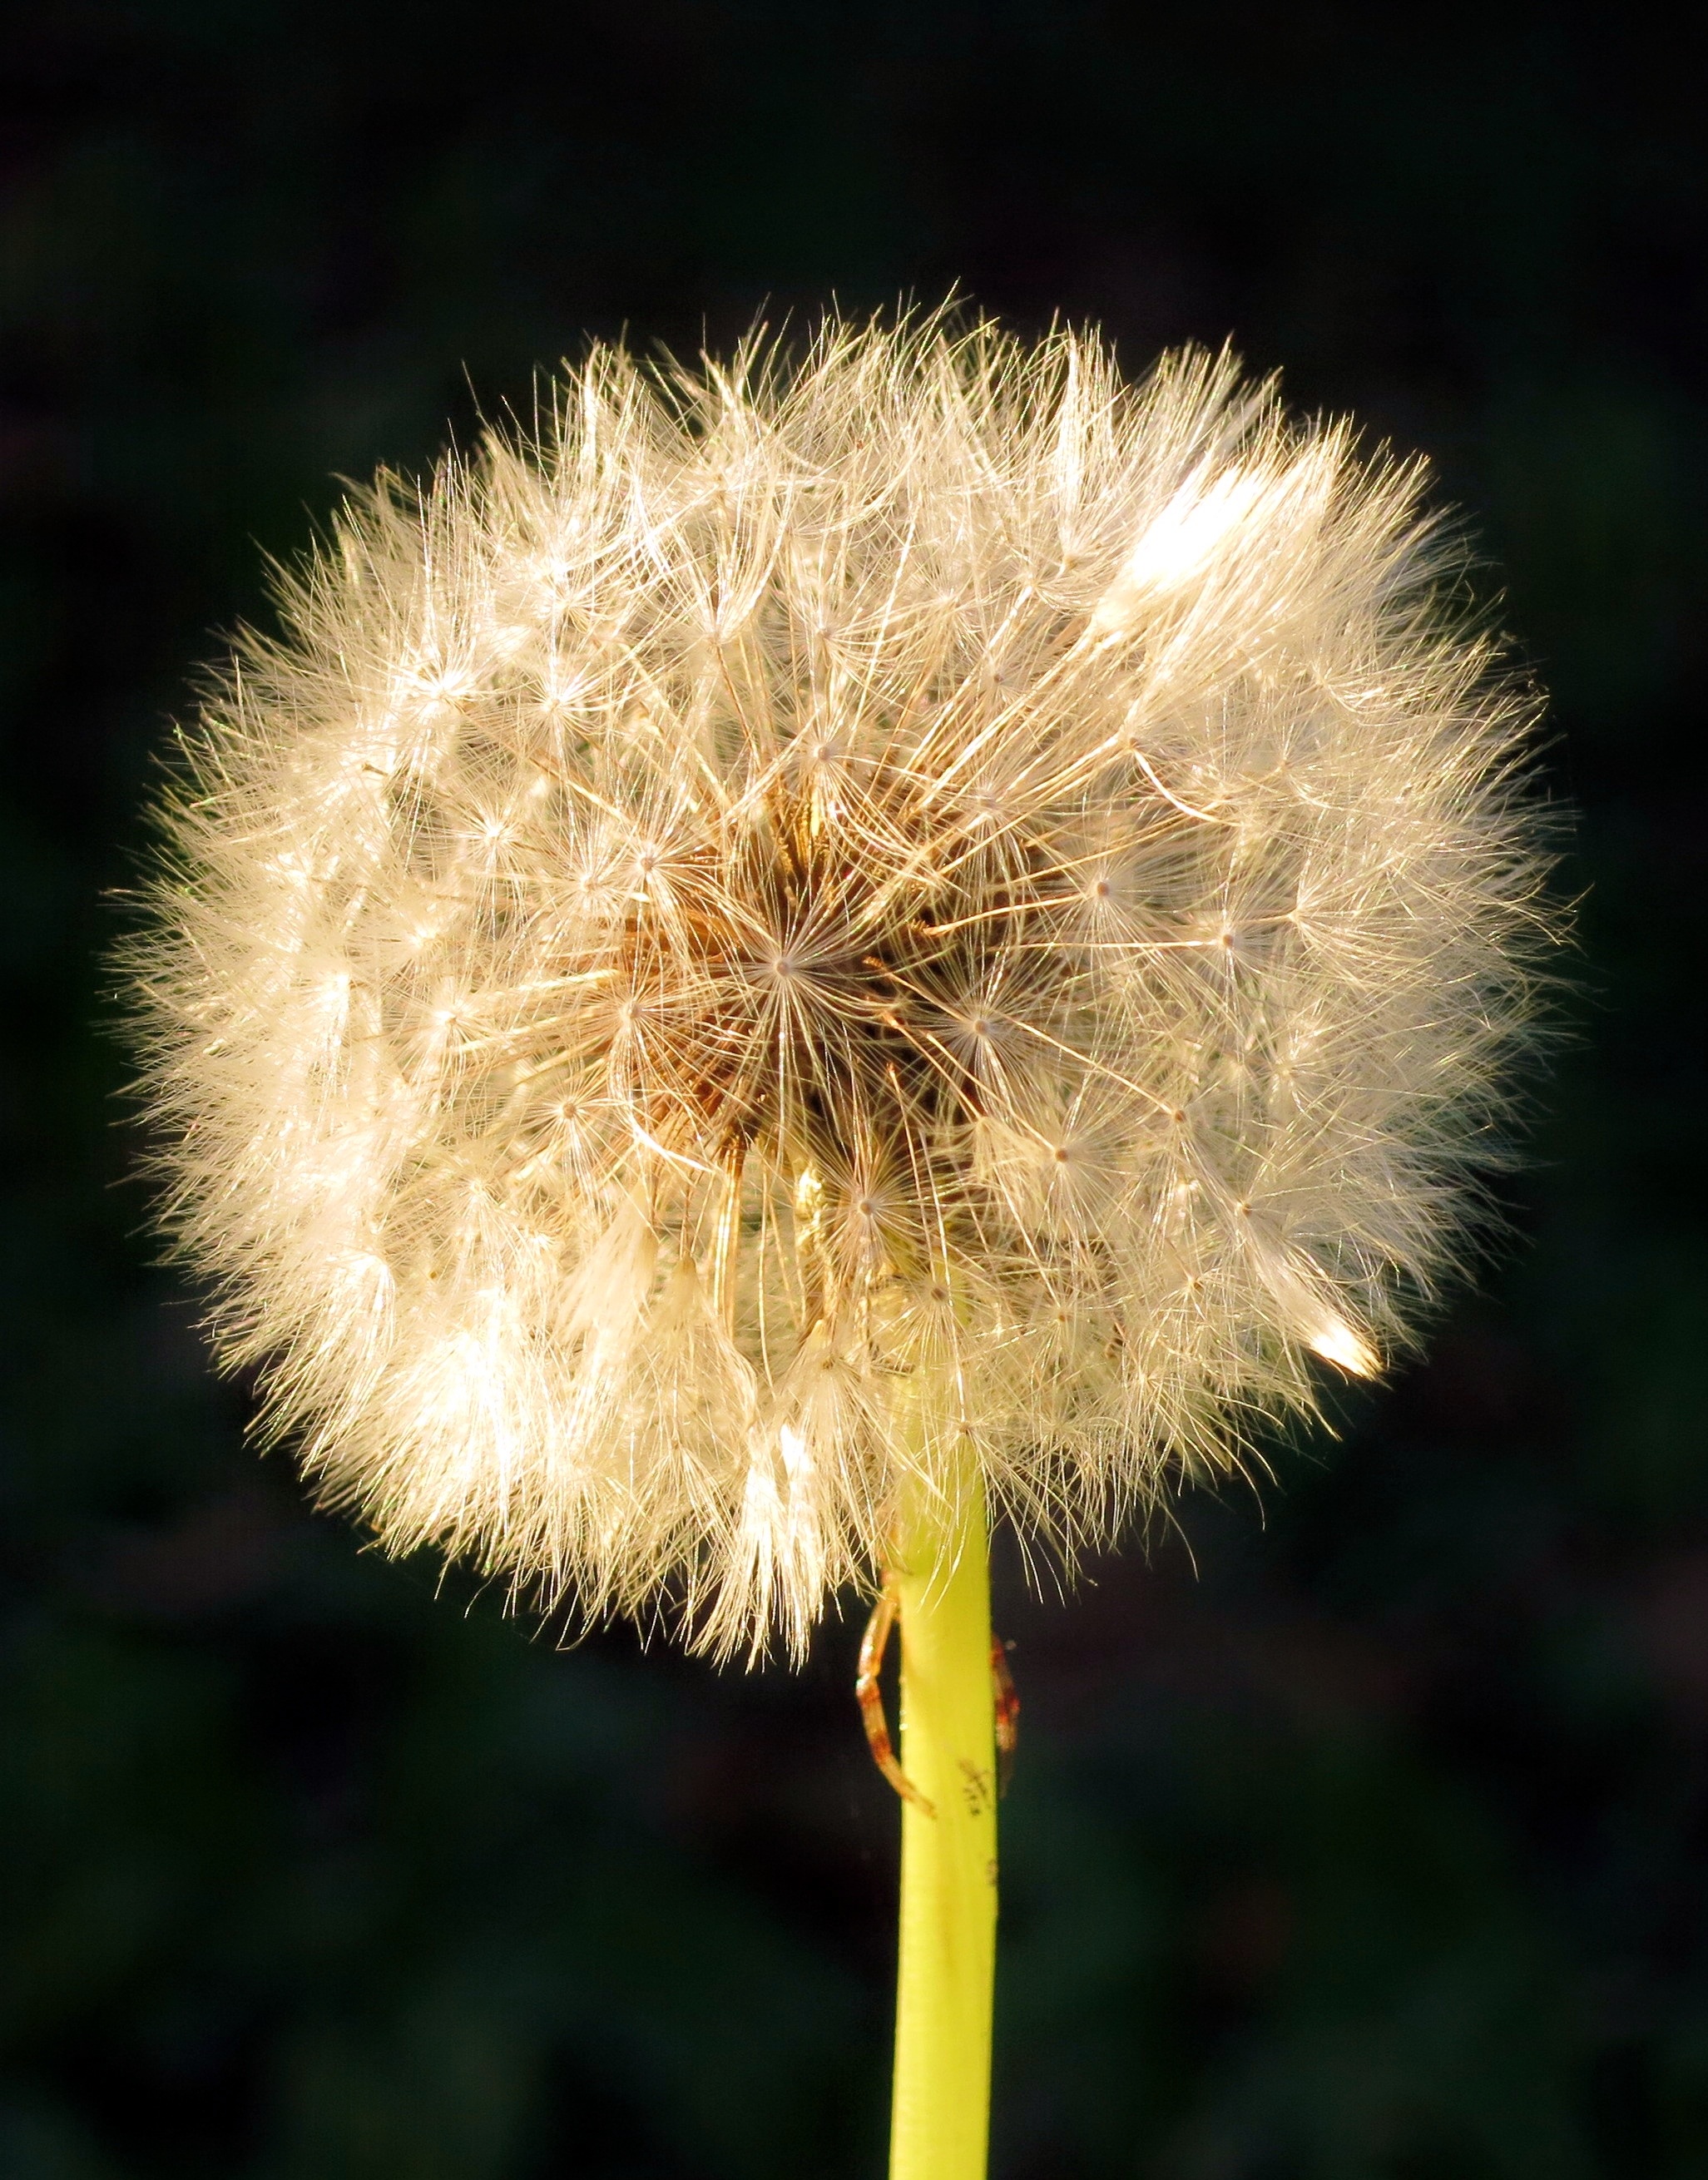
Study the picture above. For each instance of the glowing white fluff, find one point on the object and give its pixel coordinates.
(822, 912)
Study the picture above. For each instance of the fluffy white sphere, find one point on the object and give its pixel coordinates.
(826, 914)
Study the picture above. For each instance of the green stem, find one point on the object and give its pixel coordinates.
(946, 1975)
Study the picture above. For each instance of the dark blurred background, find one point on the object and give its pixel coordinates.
(1358, 1836)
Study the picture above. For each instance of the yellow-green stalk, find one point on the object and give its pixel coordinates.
(946, 1972)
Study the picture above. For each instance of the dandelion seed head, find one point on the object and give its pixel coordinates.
(824, 912)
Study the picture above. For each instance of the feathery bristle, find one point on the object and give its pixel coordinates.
(824, 912)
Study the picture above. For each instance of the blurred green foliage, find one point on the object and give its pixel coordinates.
(1366, 1841)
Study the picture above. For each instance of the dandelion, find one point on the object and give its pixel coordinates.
(827, 945)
